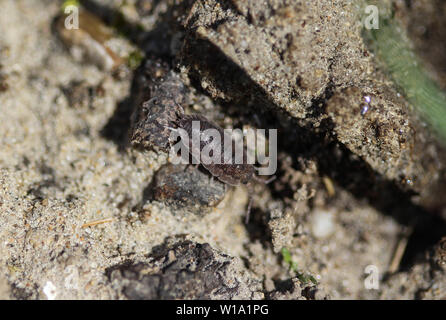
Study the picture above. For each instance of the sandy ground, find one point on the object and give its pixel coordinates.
(60, 174)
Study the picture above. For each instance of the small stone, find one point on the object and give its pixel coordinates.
(50, 290)
(364, 109)
(367, 99)
(322, 224)
(185, 187)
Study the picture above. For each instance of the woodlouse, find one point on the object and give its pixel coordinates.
(229, 172)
